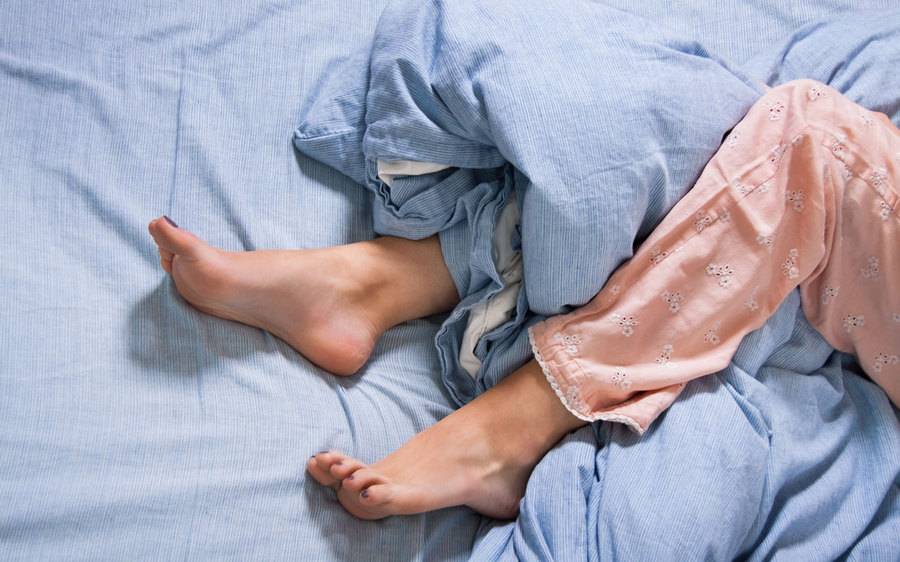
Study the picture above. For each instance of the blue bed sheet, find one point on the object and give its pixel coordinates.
(133, 427)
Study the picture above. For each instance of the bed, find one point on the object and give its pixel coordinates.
(134, 427)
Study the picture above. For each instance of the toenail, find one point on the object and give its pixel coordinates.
(365, 493)
(321, 452)
(338, 463)
(350, 477)
(170, 221)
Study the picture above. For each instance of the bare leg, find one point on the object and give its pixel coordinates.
(480, 455)
(332, 305)
(329, 304)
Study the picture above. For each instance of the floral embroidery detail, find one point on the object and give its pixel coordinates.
(657, 255)
(852, 321)
(872, 270)
(674, 300)
(724, 272)
(766, 241)
(878, 179)
(846, 172)
(620, 379)
(573, 399)
(789, 267)
(666, 354)
(797, 140)
(837, 147)
(627, 323)
(775, 154)
(776, 110)
(733, 139)
(866, 118)
(712, 335)
(571, 343)
(615, 290)
(796, 199)
(814, 93)
(740, 186)
(884, 210)
(751, 304)
(764, 187)
(829, 294)
(724, 215)
(882, 360)
(702, 220)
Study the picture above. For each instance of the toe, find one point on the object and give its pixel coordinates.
(345, 467)
(376, 495)
(176, 240)
(319, 471)
(362, 479)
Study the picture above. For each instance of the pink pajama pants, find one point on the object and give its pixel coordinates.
(801, 194)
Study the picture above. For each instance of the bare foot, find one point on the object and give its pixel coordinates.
(318, 301)
(480, 456)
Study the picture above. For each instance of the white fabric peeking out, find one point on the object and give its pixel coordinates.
(498, 309)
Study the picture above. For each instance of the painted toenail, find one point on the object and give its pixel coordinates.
(365, 493)
(338, 463)
(170, 221)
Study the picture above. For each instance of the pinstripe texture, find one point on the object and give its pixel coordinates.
(133, 428)
(606, 131)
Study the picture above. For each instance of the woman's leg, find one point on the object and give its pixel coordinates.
(480, 455)
(329, 304)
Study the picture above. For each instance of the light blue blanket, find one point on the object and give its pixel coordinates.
(134, 428)
(597, 135)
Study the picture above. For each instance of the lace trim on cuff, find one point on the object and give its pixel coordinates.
(568, 402)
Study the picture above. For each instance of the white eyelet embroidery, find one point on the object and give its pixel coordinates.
(666, 354)
(776, 110)
(837, 147)
(829, 294)
(766, 241)
(751, 304)
(872, 270)
(814, 93)
(852, 321)
(733, 139)
(884, 210)
(776, 154)
(724, 215)
(724, 272)
(573, 398)
(878, 179)
(797, 140)
(764, 187)
(789, 267)
(796, 199)
(702, 220)
(674, 300)
(657, 255)
(620, 379)
(712, 335)
(866, 118)
(570, 342)
(846, 172)
(882, 360)
(627, 323)
(740, 186)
